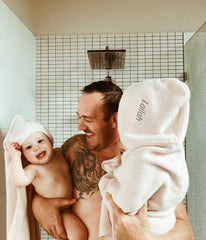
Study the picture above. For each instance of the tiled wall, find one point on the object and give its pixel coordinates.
(62, 69)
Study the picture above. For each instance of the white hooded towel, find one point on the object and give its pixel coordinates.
(16, 198)
(152, 122)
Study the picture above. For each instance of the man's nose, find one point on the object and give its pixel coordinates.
(82, 125)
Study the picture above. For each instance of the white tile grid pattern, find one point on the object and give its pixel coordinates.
(63, 69)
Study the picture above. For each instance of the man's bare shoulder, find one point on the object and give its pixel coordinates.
(72, 146)
(74, 141)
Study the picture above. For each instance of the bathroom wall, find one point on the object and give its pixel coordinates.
(117, 16)
(195, 63)
(62, 69)
(24, 10)
(17, 81)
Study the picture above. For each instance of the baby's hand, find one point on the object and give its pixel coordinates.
(13, 149)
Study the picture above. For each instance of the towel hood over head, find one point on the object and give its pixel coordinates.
(21, 128)
(154, 111)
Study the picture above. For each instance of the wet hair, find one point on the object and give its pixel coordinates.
(112, 95)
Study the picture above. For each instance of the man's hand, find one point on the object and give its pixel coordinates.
(47, 213)
(130, 227)
(135, 227)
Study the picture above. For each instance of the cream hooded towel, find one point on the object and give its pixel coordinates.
(16, 199)
(152, 122)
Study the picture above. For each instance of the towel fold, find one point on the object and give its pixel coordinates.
(18, 210)
(152, 122)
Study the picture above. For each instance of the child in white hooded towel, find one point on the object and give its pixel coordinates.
(152, 122)
(48, 172)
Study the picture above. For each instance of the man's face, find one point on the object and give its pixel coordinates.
(99, 133)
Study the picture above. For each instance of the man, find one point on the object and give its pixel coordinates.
(97, 112)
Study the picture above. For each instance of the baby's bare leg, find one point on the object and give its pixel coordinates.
(75, 228)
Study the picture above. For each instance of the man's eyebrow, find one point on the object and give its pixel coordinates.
(84, 116)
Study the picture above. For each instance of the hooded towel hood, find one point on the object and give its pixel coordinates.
(21, 128)
(154, 111)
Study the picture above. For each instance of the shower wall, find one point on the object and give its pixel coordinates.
(62, 70)
(195, 63)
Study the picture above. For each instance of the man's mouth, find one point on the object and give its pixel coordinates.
(89, 135)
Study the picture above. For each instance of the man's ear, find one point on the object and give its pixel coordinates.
(114, 119)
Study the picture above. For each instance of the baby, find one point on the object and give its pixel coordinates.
(48, 172)
(152, 122)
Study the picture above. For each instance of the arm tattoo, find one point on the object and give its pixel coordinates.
(86, 169)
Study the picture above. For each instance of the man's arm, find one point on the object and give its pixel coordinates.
(47, 213)
(136, 227)
(182, 230)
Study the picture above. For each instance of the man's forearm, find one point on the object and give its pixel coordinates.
(47, 213)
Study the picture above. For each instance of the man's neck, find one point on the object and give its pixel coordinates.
(112, 150)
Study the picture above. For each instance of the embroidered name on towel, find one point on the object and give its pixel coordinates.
(141, 110)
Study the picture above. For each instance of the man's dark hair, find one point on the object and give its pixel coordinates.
(112, 95)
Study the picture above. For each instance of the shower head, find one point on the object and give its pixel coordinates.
(106, 59)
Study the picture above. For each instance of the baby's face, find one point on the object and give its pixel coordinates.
(37, 148)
